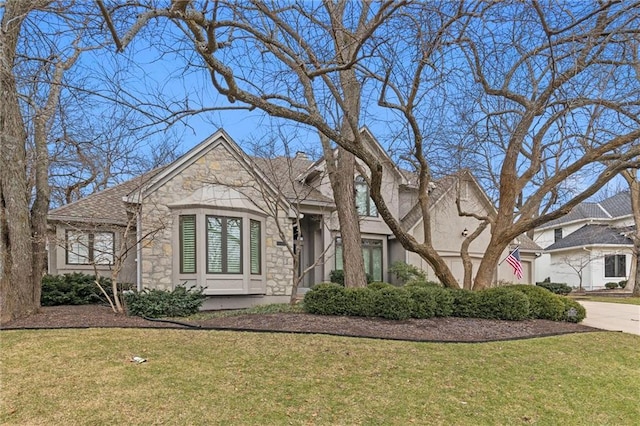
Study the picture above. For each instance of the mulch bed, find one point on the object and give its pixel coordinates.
(432, 330)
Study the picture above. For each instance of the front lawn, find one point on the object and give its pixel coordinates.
(210, 377)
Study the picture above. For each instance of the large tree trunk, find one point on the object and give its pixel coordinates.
(343, 191)
(17, 295)
(631, 176)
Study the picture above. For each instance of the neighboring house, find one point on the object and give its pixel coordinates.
(220, 219)
(589, 244)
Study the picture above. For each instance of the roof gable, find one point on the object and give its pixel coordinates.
(309, 174)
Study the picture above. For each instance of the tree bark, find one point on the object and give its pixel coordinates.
(17, 293)
(631, 176)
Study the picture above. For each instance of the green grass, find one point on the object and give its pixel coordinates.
(626, 300)
(75, 377)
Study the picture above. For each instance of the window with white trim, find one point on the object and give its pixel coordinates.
(87, 248)
(224, 245)
(372, 254)
(219, 242)
(615, 266)
(364, 203)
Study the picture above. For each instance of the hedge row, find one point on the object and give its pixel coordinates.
(179, 302)
(75, 289)
(513, 303)
(557, 288)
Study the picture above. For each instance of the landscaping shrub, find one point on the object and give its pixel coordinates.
(361, 302)
(392, 303)
(74, 289)
(543, 304)
(331, 299)
(379, 285)
(573, 311)
(557, 288)
(502, 303)
(417, 282)
(465, 303)
(337, 277)
(406, 273)
(611, 285)
(423, 302)
(444, 300)
(622, 284)
(327, 299)
(163, 303)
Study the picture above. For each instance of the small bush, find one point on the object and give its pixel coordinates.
(557, 288)
(423, 302)
(444, 301)
(543, 304)
(465, 303)
(155, 303)
(502, 303)
(337, 277)
(392, 303)
(611, 285)
(406, 273)
(332, 299)
(622, 284)
(379, 285)
(573, 311)
(422, 283)
(326, 299)
(75, 289)
(361, 302)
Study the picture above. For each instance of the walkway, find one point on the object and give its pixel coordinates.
(612, 316)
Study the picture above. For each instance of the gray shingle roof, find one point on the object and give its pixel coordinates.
(593, 235)
(105, 206)
(613, 207)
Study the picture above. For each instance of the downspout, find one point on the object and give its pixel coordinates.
(138, 251)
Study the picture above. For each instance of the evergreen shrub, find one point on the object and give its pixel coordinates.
(465, 303)
(543, 304)
(392, 303)
(75, 289)
(423, 302)
(573, 311)
(557, 288)
(154, 303)
(502, 303)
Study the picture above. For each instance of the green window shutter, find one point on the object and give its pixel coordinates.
(254, 248)
(188, 244)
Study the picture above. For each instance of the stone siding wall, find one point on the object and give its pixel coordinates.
(219, 166)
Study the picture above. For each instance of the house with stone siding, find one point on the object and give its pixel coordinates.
(220, 219)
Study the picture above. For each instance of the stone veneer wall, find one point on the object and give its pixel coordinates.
(220, 167)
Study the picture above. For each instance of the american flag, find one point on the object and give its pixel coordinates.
(514, 260)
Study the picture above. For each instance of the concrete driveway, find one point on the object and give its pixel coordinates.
(612, 316)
